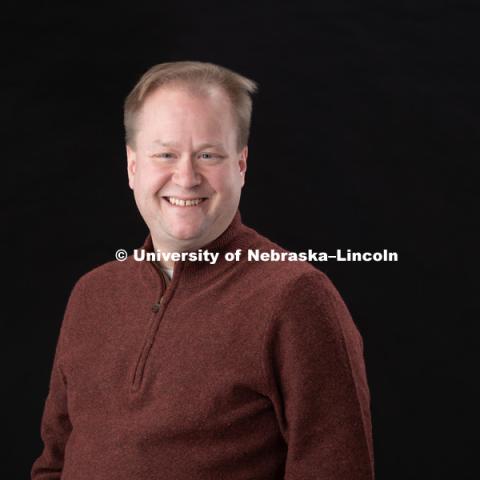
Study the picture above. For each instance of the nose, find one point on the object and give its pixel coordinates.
(185, 174)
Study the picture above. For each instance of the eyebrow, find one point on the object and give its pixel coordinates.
(200, 147)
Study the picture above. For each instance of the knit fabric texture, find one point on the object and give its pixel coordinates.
(235, 370)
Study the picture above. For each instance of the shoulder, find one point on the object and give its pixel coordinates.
(107, 276)
(299, 285)
(281, 270)
(310, 315)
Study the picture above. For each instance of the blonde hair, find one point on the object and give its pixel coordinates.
(198, 77)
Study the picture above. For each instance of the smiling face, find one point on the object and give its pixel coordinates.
(185, 170)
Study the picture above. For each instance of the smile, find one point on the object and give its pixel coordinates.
(191, 202)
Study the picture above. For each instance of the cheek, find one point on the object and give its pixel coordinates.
(150, 179)
(225, 180)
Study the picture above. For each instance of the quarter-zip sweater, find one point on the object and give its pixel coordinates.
(235, 370)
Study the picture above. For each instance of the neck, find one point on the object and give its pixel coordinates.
(235, 236)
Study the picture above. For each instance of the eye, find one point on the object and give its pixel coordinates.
(215, 157)
(166, 155)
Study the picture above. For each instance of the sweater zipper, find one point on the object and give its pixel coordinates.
(157, 309)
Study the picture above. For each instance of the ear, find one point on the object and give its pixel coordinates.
(242, 163)
(131, 165)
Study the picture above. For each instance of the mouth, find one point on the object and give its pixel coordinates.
(184, 202)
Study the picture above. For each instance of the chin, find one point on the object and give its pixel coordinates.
(186, 232)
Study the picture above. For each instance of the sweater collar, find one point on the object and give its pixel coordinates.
(235, 236)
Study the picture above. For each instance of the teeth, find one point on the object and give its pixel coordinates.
(184, 203)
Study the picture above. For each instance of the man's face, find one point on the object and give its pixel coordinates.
(185, 171)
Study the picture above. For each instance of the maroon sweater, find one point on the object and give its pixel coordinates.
(237, 370)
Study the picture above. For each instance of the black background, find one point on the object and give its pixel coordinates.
(364, 136)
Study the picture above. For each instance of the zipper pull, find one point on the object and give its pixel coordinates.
(156, 306)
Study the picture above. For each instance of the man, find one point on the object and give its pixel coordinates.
(193, 369)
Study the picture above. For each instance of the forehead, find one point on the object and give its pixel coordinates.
(183, 101)
(177, 113)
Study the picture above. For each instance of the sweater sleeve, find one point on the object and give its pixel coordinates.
(55, 424)
(313, 363)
